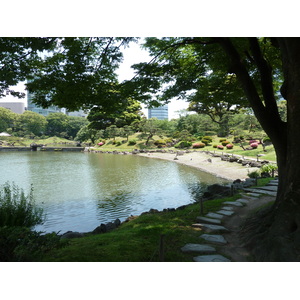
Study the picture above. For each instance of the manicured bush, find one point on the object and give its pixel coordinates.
(253, 142)
(215, 146)
(100, 144)
(160, 142)
(209, 138)
(254, 145)
(206, 142)
(131, 142)
(17, 209)
(198, 145)
(222, 140)
(183, 144)
(220, 147)
(224, 143)
(229, 146)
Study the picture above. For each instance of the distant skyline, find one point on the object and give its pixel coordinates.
(132, 55)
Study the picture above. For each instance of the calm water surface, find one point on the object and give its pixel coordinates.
(79, 191)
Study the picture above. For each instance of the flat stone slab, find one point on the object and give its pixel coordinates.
(272, 188)
(209, 220)
(210, 228)
(234, 203)
(211, 258)
(253, 194)
(225, 212)
(227, 208)
(215, 216)
(198, 248)
(214, 238)
(274, 181)
(243, 201)
(260, 191)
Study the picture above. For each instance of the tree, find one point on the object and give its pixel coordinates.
(32, 123)
(149, 127)
(81, 72)
(75, 124)
(7, 119)
(219, 96)
(57, 124)
(259, 64)
(126, 113)
(86, 133)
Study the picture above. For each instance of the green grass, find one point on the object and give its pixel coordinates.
(138, 240)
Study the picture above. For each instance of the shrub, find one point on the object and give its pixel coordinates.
(131, 142)
(21, 244)
(100, 144)
(206, 142)
(224, 143)
(118, 143)
(183, 144)
(159, 142)
(208, 138)
(253, 142)
(254, 145)
(220, 147)
(254, 174)
(215, 146)
(17, 209)
(229, 146)
(198, 145)
(222, 140)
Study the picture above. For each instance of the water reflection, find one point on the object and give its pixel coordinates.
(81, 190)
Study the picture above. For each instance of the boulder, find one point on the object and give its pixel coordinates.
(72, 235)
(100, 229)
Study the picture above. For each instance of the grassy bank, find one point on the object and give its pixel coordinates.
(139, 239)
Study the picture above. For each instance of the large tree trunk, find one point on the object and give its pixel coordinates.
(275, 234)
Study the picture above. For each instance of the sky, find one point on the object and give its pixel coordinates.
(132, 55)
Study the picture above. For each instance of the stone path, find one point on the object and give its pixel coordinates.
(211, 224)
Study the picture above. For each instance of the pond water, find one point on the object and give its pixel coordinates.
(79, 191)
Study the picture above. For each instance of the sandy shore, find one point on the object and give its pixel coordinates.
(199, 160)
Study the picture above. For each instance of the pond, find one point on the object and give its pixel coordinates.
(79, 191)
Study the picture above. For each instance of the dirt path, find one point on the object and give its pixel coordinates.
(234, 248)
(207, 163)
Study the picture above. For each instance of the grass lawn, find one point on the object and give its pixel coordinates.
(138, 240)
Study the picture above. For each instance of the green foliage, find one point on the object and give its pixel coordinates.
(224, 143)
(183, 144)
(18, 209)
(254, 174)
(20, 244)
(131, 142)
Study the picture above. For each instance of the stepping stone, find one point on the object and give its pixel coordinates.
(243, 201)
(209, 220)
(234, 203)
(269, 188)
(253, 194)
(215, 216)
(274, 182)
(225, 212)
(260, 191)
(214, 238)
(227, 208)
(211, 258)
(198, 248)
(210, 228)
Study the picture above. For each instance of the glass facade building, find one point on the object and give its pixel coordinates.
(161, 113)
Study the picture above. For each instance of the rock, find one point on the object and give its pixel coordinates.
(219, 190)
(209, 220)
(72, 235)
(234, 203)
(100, 229)
(198, 248)
(211, 258)
(110, 226)
(215, 216)
(117, 222)
(225, 212)
(181, 207)
(214, 238)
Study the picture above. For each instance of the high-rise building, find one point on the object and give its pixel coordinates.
(161, 113)
(16, 107)
(51, 109)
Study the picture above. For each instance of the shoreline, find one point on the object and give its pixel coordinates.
(205, 162)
